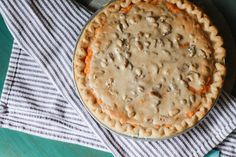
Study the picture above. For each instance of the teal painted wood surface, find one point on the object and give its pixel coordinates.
(6, 41)
(16, 144)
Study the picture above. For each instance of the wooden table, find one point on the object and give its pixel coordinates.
(16, 144)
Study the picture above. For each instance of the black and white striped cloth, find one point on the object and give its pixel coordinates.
(39, 96)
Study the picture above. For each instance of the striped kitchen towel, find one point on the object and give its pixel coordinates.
(39, 96)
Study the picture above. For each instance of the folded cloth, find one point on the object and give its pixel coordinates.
(39, 96)
(30, 103)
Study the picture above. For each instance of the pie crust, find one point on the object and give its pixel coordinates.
(149, 68)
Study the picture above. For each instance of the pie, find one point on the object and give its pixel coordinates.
(149, 68)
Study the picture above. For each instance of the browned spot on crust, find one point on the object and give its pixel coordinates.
(173, 8)
(88, 60)
(204, 90)
(126, 9)
(191, 113)
(184, 45)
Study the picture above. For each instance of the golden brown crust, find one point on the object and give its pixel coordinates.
(125, 125)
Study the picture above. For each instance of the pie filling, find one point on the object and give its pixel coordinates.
(149, 65)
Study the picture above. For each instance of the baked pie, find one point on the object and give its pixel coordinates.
(149, 68)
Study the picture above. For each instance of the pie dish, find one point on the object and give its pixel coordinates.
(149, 68)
